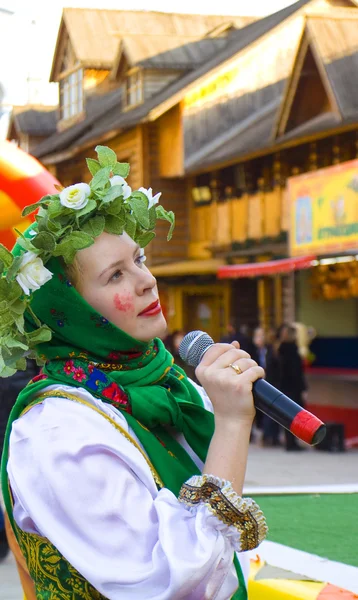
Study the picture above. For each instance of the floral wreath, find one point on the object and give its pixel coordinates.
(65, 223)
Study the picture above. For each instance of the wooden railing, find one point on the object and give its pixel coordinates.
(251, 217)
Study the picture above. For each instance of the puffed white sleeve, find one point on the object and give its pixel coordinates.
(80, 483)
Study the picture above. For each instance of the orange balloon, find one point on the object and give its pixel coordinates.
(23, 181)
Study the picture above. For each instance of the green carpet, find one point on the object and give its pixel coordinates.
(325, 524)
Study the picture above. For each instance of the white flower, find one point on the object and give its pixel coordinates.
(32, 273)
(126, 189)
(149, 193)
(75, 196)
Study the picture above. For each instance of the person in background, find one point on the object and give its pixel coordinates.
(241, 335)
(266, 356)
(291, 375)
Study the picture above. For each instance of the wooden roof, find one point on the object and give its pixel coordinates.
(95, 34)
(336, 43)
(168, 52)
(333, 40)
(34, 120)
(110, 121)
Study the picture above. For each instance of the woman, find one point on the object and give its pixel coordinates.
(107, 446)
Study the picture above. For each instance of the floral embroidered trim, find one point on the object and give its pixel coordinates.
(233, 510)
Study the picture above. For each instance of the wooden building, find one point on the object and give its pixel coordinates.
(217, 113)
(30, 125)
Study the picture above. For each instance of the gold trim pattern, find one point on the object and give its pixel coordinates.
(53, 576)
(233, 510)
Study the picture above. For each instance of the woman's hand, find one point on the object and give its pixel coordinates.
(230, 392)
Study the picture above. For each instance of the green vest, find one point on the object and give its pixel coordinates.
(52, 574)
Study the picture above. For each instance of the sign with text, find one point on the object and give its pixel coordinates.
(324, 210)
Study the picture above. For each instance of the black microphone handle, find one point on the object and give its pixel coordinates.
(288, 413)
(274, 403)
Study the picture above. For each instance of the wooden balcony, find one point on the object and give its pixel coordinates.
(252, 217)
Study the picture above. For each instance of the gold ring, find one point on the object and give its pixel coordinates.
(236, 369)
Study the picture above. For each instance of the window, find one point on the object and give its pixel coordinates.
(71, 94)
(134, 89)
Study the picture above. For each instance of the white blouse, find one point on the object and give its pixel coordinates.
(80, 483)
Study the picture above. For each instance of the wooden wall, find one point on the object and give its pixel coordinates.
(155, 80)
(174, 197)
(171, 153)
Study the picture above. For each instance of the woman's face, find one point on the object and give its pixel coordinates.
(115, 281)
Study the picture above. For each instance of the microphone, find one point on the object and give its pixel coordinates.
(303, 424)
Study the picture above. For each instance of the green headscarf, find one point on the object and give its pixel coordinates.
(140, 379)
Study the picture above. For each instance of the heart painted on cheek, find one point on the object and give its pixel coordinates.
(124, 302)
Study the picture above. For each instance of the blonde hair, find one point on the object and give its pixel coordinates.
(74, 273)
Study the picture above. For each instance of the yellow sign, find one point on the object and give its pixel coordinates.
(324, 210)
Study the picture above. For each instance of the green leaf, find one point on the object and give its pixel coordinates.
(53, 227)
(4, 289)
(18, 307)
(20, 323)
(130, 226)
(93, 166)
(21, 364)
(152, 217)
(77, 240)
(44, 200)
(6, 371)
(121, 169)
(44, 241)
(30, 209)
(25, 243)
(115, 191)
(41, 221)
(2, 266)
(14, 343)
(12, 271)
(106, 156)
(141, 197)
(115, 208)
(94, 226)
(140, 211)
(39, 361)
(166, 216)
(6, 257)
(55, 208)
(114, 225)
(101, 178)
(6, 320)
(91, 205)
(14, 292)
(144, 239)
(43, 334)
(171, 228)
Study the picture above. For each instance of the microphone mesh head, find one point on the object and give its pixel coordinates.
(193, 347)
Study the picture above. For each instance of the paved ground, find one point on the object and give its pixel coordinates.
(266, 467)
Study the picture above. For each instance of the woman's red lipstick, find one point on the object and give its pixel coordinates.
(151, 310)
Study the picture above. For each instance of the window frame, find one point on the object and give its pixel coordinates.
(71, 96)
(133, 88)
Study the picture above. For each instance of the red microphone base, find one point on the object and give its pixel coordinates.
(308, 428)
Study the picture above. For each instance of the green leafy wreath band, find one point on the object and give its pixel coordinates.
(65, 223)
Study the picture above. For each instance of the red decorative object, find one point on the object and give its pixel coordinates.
(114, 392)
(271, 267)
